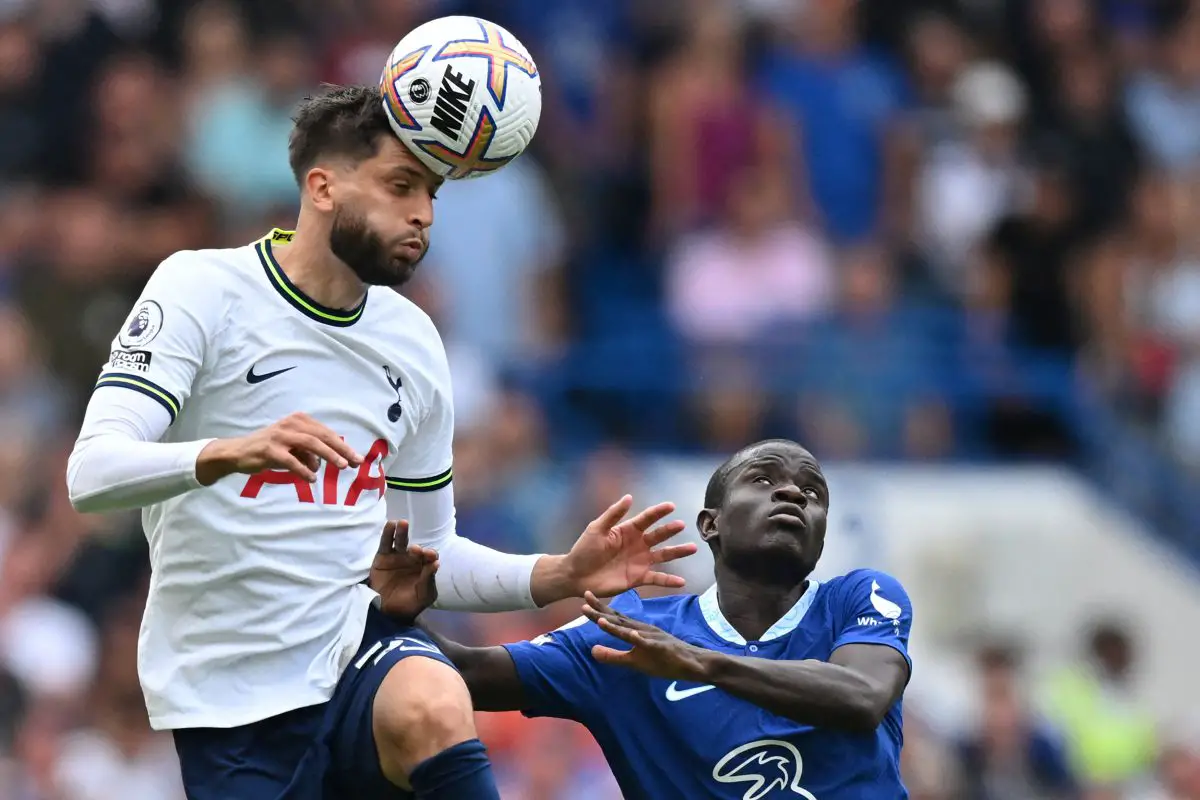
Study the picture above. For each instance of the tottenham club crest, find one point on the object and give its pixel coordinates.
(144, 324)
(395, 409)
(769, 767)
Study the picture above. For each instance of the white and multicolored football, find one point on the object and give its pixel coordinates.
(463, 94)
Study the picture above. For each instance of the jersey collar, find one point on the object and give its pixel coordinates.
(292, 294)
(711, 610)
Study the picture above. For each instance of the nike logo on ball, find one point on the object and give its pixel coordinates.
(252, 377)
(674, 694)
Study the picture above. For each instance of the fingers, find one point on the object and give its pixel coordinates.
(607, 655)
(664, 532)
(422, 554)
(287, 460)
(596, 610)
(673, 553)
(401, 537)
(342, 453)
(614, 514)
(597, 603)
(387, 540)
(651, 515)
(620, 631)
(664, 579)
(308, 443)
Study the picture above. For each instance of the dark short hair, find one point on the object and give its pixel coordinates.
(345, 121)
(714, 493)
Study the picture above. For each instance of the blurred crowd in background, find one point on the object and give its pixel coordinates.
(893, 229)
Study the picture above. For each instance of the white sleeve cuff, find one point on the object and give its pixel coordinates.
(471, 576)
(117, 462)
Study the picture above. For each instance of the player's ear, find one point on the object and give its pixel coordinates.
(706, 523)
(318, 187)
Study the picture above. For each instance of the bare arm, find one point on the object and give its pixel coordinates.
(852, 692)
(489, 673)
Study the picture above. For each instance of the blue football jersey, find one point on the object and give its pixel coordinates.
(665, 739)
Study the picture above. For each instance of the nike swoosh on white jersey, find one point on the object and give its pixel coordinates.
(674, 695)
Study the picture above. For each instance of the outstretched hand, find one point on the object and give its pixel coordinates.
(612, 556)
(403, 574)
(655, 652)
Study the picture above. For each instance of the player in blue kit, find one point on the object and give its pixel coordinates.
(769, 685)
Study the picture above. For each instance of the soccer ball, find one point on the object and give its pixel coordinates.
(463, 94)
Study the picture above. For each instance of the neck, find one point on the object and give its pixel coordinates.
(749, 606)
(316, 271)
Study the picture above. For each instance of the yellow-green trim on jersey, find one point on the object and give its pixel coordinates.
(291, 293)
(143, 386)
(422, 484)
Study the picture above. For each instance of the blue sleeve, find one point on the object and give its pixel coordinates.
(557, 671)
(873, 608)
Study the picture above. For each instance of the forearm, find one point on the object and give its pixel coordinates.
(808, 692)
(472, 576)
(117, 462)
(489, 673)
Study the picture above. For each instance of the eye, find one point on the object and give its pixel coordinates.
(762, 479)
(813, 493)
(401, 188)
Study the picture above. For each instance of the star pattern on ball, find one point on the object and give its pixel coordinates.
(473, 160)
(393, 74)
(499, 57)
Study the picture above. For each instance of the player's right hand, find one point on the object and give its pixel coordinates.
(297, 443)
(403, 574)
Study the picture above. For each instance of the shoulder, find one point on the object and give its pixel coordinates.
(206, 272)
(404, 322)
(408, 334)
(864, 585)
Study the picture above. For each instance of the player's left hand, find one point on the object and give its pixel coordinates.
(403, 574)
(655, 652)
(614, 556)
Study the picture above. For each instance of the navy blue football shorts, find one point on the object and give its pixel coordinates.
(320, 752)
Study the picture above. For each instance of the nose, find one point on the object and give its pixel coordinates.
(789, 493)
(421, 216)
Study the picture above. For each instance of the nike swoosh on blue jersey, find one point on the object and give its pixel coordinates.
(674, 694)
(251, 377)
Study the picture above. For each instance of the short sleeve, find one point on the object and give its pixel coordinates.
(424, 462)
(873, 608)
(162, 344)
(557, 672)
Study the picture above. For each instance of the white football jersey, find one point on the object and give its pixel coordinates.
(257, 600)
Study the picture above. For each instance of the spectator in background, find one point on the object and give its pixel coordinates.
(868, 380)
(1011, 755)
(1163, 102)
(708, 128)
(728, 286)
(1110, 738)
(1087, 121)
(497, 276)
(845, 103)
(969, 180)
(239, 128)
(1032, 250)
(1045, 33)
(937, 50)
(22, 118)
(116, 756)
(1178, 766)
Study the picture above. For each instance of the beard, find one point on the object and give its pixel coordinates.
(366, 254)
